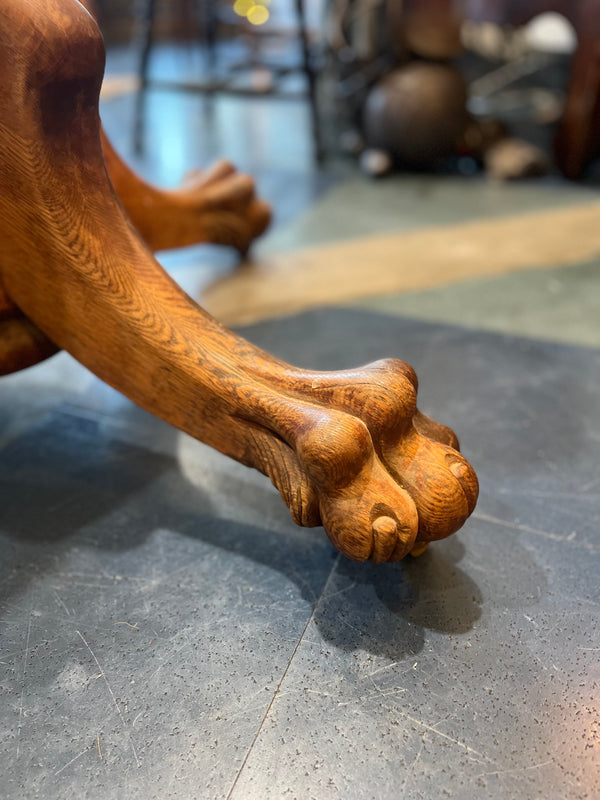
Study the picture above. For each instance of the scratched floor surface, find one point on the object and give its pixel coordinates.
(167, 632)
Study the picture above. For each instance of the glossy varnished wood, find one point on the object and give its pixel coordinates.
(345, 449)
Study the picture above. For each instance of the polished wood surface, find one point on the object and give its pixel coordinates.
(22, 343)
(348, 450)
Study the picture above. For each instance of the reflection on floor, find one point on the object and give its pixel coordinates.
(167, 631)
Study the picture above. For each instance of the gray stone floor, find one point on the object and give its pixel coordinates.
(166, 631)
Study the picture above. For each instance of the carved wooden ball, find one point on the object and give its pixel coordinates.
(417, 113)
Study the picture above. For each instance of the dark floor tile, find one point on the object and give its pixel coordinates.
(472, 671)
(135, 623)
(157, 601)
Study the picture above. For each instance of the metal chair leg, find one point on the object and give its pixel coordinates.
(311, 78)
(144, 17)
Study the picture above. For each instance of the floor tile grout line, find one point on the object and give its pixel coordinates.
(283, 677)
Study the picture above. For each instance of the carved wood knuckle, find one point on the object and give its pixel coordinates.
(334, 449)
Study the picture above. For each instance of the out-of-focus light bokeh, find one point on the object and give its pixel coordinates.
(256, 13)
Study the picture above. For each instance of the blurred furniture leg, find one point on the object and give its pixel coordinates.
(145, 19)
(311, 78)
(578, 136)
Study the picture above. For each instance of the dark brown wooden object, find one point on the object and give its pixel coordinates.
(348, 450)
(22, 343)
(578, 136)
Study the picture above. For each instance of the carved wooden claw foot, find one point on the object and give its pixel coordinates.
(348, 450)
(218, 205)
(382, 478)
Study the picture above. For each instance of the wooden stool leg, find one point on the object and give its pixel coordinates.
(348, 450)
(144, 15)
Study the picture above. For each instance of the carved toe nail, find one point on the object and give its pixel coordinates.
(384, 538)
(465, 475)
(458, 470)
(384, 526)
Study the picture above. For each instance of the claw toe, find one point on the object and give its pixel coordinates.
(465, 475)
(384, 531)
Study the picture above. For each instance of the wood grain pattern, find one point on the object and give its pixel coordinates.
(345, 449)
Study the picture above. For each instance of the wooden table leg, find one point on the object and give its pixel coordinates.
(348, 450)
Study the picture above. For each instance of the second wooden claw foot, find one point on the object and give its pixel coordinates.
(217, 206)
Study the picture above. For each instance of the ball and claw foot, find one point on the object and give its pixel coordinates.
(381, 477)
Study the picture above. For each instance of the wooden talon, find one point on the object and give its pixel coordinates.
(345, 449)
(385, 531)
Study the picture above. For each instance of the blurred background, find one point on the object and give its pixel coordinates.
(387, 136)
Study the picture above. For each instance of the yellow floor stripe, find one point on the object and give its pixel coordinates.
(374, 265)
